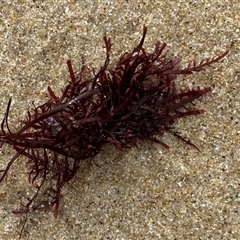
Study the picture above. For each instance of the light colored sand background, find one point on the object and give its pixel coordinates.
(145, 193)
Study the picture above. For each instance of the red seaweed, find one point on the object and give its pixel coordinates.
(137, 99)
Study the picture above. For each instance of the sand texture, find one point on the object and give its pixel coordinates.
(145, 193)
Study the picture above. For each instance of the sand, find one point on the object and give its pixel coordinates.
(144, 193)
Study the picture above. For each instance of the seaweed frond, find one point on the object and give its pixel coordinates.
(137, 99)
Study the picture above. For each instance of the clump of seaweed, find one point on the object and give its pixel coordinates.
(137, 99)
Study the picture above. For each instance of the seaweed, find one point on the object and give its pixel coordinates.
(136, 99)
